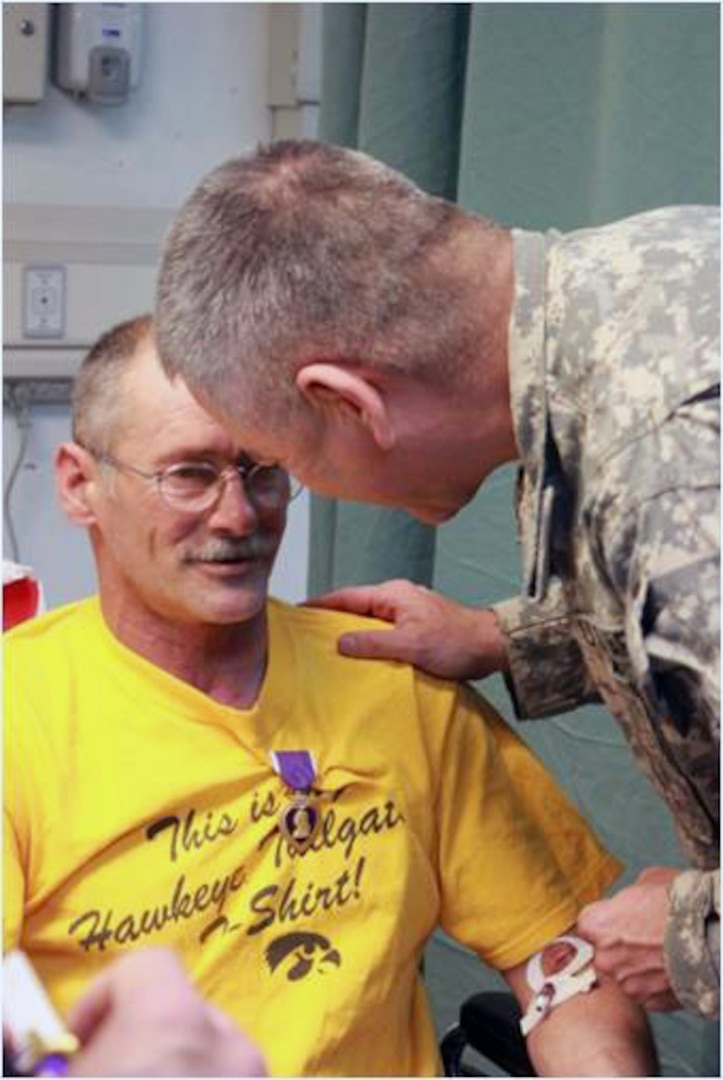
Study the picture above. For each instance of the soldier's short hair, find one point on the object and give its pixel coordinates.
(300, 247)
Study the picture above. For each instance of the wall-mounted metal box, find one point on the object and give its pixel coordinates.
(25, 52)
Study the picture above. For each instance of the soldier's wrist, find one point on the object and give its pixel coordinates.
(692, 941)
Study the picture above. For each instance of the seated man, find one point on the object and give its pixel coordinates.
(192, 764)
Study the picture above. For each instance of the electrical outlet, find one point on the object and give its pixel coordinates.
(44, 302)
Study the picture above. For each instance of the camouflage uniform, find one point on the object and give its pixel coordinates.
(614, 369)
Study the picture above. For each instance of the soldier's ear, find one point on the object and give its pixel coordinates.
(77, 481)
(341, 394)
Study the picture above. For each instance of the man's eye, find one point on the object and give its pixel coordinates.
(265, 477)
(192, 473)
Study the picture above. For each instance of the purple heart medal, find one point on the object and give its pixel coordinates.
(300, 820)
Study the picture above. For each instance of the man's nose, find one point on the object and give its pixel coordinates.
(234, 512)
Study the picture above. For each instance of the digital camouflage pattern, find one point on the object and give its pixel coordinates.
(693, 941)
(614, 369)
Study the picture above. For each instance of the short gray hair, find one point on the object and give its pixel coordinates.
(98, 400)
(304, 246)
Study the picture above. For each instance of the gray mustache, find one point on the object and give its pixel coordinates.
(232, 549)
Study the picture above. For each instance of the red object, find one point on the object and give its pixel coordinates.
(20, 601)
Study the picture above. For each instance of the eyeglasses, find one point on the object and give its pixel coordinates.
(195, 486)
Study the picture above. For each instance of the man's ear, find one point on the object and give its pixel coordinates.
(76, 481)
(347, 393)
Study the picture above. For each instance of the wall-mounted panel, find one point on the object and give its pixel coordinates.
(25, 52)
(106, 259)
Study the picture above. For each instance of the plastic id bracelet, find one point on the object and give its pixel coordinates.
(576, 976)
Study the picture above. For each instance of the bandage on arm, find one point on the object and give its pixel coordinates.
(558, 972)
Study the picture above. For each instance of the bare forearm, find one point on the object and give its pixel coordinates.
(601, 1033)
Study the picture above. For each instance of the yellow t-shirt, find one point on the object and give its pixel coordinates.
(140, 812)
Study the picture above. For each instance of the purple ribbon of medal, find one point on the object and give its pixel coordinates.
(52, 1065)
(300, 819)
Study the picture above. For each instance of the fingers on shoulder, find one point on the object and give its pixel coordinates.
(375, 645)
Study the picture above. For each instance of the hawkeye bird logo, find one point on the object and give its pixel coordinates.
(304, 953)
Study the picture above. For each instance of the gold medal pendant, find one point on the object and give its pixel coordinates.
(299, 822)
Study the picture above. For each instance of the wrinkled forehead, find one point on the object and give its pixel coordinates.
(159, 415)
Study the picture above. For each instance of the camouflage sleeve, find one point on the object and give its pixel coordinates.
(662, 556)
(692, 941)
(547, 674)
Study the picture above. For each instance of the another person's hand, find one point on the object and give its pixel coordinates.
(432, 633)
(142, 1017)
(628, 932)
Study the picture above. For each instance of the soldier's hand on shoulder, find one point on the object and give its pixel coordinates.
(428, 630)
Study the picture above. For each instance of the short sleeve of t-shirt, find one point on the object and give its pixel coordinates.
(516, 860)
